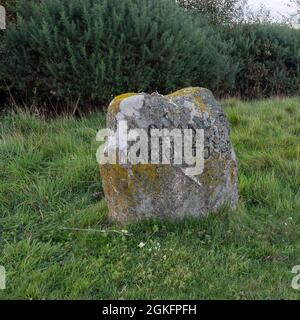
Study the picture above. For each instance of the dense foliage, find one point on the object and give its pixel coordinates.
(10, 7)
(91, 50)
(269, 60)
(81, 53)
(216, 11)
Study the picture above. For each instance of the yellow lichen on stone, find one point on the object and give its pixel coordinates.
(128, 180)
(201, 104)
(195, 93)
(115, 185)
(185, 92)
(114, 107)
(151, 173)
(123, 186)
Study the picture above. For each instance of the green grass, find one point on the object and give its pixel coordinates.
(49, 181)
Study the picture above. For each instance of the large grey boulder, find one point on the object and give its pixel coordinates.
(170, 190)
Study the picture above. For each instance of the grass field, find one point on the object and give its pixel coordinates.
(50, 187)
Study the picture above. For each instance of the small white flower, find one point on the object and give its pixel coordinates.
(142, 245)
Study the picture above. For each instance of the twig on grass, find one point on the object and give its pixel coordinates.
(122, 232)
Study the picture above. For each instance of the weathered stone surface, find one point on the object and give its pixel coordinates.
(134, 192)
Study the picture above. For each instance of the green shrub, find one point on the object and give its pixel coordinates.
(269, 60)
(11, 17)
(91, 50)
(10, 6)
(218, 12)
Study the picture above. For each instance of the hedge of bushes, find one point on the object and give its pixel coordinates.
(269, 60)
(66, 52)
(94, 49)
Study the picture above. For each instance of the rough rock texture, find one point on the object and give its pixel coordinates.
(141, 191)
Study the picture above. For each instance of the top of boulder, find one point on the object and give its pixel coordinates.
(114, 106)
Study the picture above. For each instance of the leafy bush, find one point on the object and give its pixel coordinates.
(218, 12)
(83, 52)
(10, 7)
(91, 50)
(269, 60)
